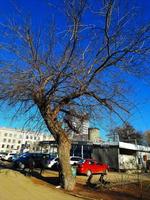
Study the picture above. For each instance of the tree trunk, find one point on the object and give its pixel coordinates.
(68, 180)
(64, 146)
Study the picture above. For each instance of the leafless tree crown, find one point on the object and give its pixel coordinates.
(76, 70)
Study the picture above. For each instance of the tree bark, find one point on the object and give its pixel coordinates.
(68, 180)
(64, 146)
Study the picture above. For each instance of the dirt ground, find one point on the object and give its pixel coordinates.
(118, 186)
(16, 186)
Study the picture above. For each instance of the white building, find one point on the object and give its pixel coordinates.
(85, 127)
(12, 140)
(80, 126)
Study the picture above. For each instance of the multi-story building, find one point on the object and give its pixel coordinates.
(13, 140)
(80, 127)
(83, 130)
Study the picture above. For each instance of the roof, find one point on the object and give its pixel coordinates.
(124, 145)
(134, 147)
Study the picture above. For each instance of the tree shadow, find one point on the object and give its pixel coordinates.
(5, 165)
(53, 180)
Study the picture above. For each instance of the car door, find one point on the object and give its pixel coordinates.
(38, 159)
(98, 167)
(91, 166)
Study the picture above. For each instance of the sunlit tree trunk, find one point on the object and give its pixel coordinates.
(64, 146)
(64, 156)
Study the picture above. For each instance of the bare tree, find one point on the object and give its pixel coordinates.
(76, 70)
(126, 133)
(147, 137)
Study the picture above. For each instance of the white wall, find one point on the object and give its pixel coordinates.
(127, 162)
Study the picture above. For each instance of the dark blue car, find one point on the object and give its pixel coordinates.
(28, 159)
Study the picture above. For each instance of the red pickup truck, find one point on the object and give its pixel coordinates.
(89, 166)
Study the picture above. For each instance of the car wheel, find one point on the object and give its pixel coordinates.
(88, 173)
(21, 165)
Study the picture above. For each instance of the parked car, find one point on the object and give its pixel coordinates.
(24, 160)
(52, 162)
(75, 160)
(15, 156)
(2, 154)
(90, 166)
(8, 156)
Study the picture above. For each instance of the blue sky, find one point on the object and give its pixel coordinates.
(39, 10)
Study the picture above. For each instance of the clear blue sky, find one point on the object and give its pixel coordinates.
(140, 116)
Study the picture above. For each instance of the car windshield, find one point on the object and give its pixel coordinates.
(25, 155)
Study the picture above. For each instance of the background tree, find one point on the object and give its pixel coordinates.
(78, 69)
(147, 137)
(126, 133)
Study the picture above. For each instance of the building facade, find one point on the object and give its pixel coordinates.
(15, 140)
(121, 155)
(80, 127)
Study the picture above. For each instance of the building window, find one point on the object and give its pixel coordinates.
(27, 137)
(7, 146)
(4, 140)
(31, 137)
(35, 138)
(5, 134)
(10, 134)
(12, 146)
(9, 140)
(19, 142)
(15, 135)
(18, 147)
(14, 141)
(3, 145)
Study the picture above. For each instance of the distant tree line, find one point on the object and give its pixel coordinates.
(127, 133)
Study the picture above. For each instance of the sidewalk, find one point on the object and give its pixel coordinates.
(16, 186)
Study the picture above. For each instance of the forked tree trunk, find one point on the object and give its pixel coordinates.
(64, 157)
(64, 147)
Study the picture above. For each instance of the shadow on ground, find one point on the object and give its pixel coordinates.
(36, 173)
